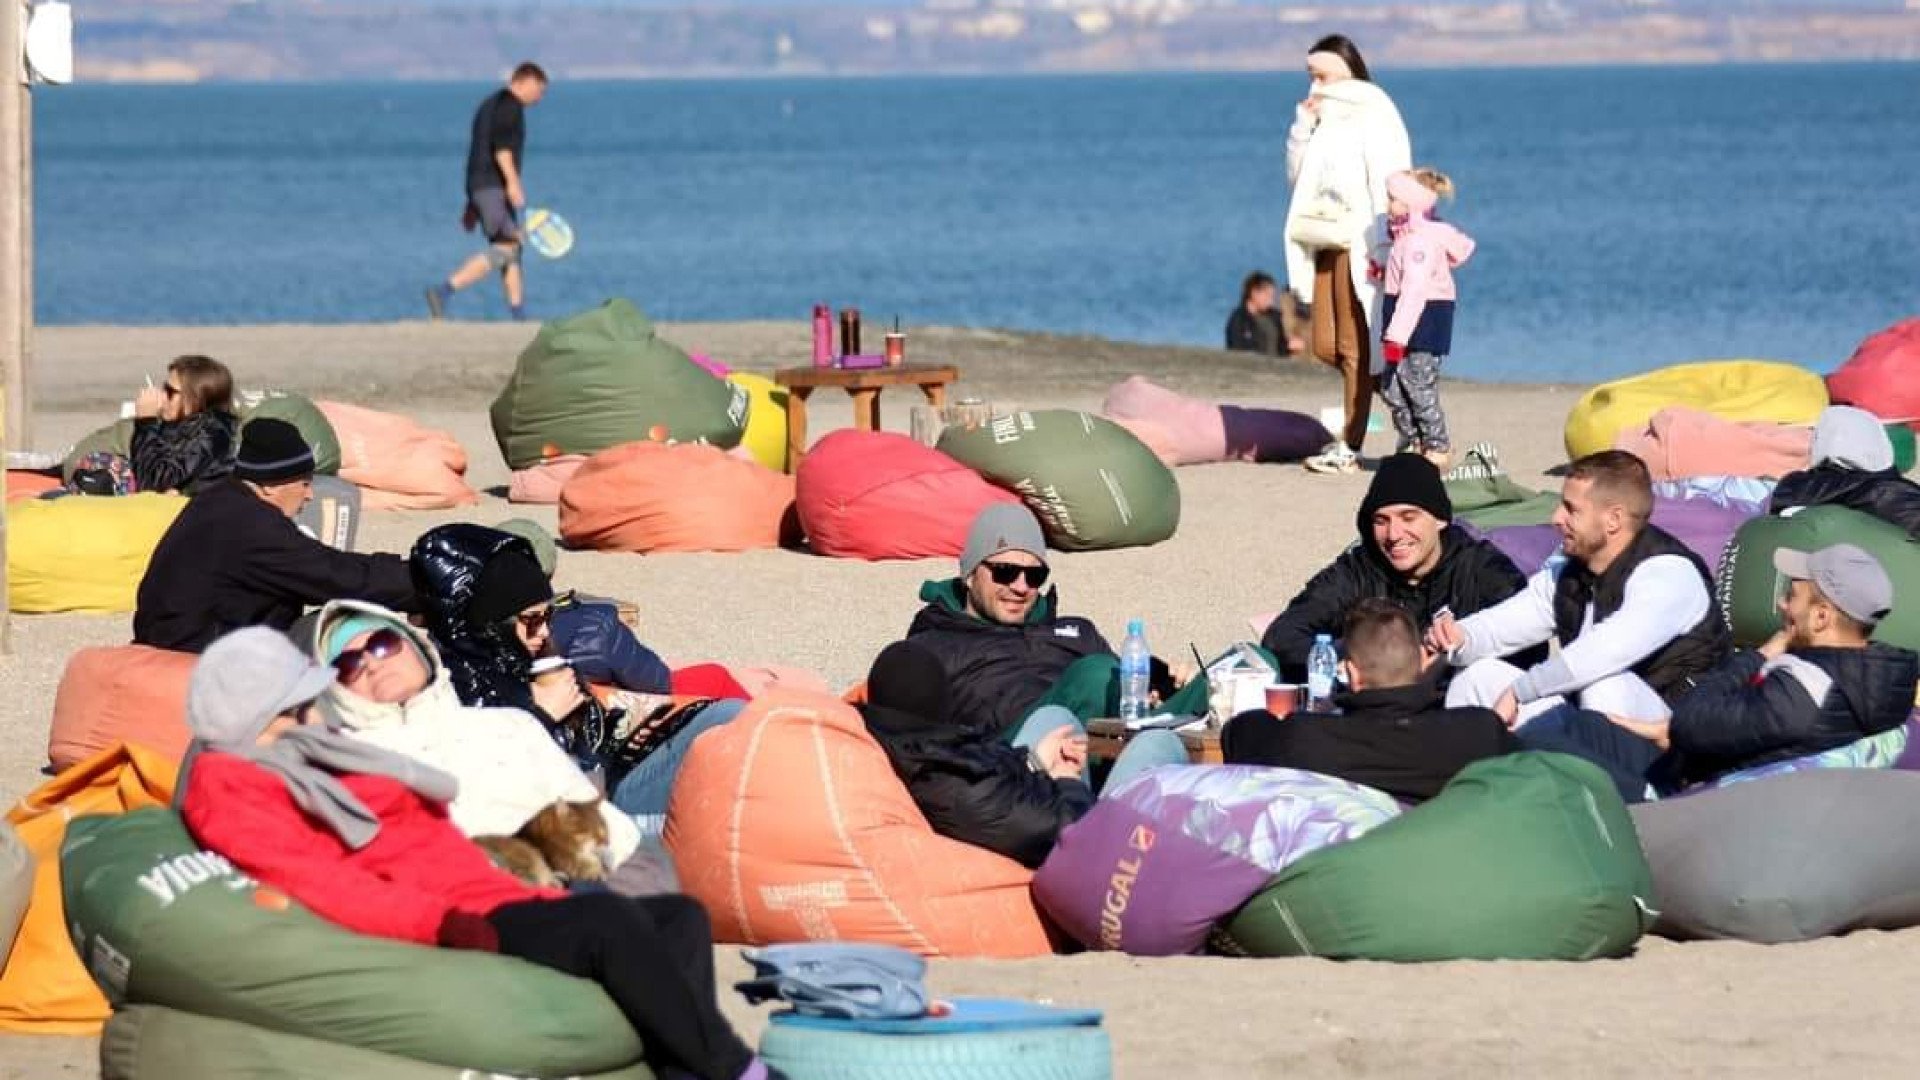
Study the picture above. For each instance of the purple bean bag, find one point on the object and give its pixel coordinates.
(1265, 435)
(1154, 865)
(1704, 526)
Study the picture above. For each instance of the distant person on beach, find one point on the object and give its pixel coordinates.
(1347, 138)
(234, 557)
(495, 196)
(1851, 465)
(184, 432)
(1409, 552)
(1254, 324)
(1418, 310)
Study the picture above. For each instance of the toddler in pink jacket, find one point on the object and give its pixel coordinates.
(1418, 309)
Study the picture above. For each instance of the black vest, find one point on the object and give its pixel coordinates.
(1670, 671)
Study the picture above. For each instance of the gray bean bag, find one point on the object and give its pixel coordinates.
(16, 887)
(1787, 858)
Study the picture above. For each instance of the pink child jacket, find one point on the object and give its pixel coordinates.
(1420, 270)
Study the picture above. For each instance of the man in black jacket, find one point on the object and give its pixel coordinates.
(1392, 732)
(1409, 552)
(234, 557)
(1852, 466)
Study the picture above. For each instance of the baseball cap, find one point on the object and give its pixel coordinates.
(1845, 574)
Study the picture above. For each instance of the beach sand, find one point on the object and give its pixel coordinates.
(1249, 536)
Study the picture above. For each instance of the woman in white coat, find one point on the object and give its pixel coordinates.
(1347, 138)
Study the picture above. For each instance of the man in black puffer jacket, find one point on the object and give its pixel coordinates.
(1409, 552)
(1852, 466)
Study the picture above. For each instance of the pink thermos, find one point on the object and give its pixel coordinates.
(822, 336)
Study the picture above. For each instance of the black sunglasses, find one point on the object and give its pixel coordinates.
(1004, 573)
(380, 645)
(531, 622)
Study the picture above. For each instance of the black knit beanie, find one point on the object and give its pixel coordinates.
(272, 452)
(1404, 479)
(907, 677)
(509, 584)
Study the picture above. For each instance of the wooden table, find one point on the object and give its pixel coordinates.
(864, 384)
(1106, 738)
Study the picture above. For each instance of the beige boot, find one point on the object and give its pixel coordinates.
(1441, 459)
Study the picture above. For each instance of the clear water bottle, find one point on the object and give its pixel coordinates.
(1136, 661)
(1323, 667)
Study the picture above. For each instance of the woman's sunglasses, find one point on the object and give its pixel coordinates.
(533, 621)
(1007, 573)
(381, 645)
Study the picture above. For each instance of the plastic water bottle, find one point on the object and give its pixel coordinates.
(1323, 667)
(1136, 661)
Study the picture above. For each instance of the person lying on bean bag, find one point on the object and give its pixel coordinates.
(588, 631)
(361, 836)
(1852, 466)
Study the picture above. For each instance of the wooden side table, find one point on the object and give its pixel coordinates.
(1106, 738)
(864, 384)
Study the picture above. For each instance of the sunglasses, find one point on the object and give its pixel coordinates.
(381, 645)
(531, 622)
(1007, 573)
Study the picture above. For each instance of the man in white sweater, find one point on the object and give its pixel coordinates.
(1632, 609)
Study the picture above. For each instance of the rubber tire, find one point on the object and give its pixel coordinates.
(1059, 1053)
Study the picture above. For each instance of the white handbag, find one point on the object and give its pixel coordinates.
(1327, 222)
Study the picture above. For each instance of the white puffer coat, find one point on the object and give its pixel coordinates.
(1355, 143)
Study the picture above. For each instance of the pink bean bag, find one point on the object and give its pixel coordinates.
(1678, 444)
(877, 495)
(1883, 376)
(542, 483)
(398, 463)
(1193, 429)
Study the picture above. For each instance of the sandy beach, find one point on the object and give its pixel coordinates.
(1249, 536)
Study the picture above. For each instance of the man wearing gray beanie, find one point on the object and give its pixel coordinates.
(1851, 465)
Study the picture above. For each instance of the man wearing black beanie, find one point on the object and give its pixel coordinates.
(234, 557)
(1409, 552)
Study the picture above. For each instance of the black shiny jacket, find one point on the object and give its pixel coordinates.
(1885, 494)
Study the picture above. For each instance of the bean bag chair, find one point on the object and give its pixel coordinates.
(1530, 856)
(16, 887)
(84, 552)
(1678, 443)
(295, 409)
(140, 891)
(541, 483)
(1270, 435)
(1749, 586)
(602, 378)
(1749, 493)
(878, 495)
(44, 987)
(1882, 751)
(147, 1042)
(650, 497)
(706, 681)
(1154, 865)
(1788, 858)
(115, 694)
(1730, 389)
(973, 1038)
(1704, 526)
(1883, 374)
(789, 824)
(765, 438)
(403, 465)
(22, 484)
(1155, 437)
(1092, 485)
(1192, 428)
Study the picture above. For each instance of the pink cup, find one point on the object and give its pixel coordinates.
(1283, 699)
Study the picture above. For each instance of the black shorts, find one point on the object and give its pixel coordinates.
(499, 223)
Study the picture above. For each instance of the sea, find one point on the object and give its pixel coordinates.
(1627, 218)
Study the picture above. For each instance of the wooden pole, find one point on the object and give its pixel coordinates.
(15, 321)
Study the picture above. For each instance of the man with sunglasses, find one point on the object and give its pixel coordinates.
(1003, 642)
(234, 557)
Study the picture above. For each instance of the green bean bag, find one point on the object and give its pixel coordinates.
(603, 378)
(157, 921)
(147, 1042)
(1531, 856)
(1749, 586)
(295, 409)
(1092, 484)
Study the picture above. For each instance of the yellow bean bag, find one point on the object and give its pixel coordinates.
(84, 552)
(766, 436)
(1729, 389)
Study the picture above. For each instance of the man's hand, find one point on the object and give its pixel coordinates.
(517, 196)
(1444, 635)
(1062, 752)
(148, 403)
(1508, 708)
(1774, 647)
(1654, 731)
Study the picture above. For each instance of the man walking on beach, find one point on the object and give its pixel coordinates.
(495, 196)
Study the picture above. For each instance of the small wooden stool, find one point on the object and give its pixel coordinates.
(864, 384)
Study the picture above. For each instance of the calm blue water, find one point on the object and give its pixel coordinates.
(1626, 217)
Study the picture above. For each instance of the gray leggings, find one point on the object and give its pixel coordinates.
(1412, 392)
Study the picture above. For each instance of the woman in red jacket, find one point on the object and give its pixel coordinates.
(361, 836)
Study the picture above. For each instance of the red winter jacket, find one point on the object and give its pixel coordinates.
(417, 869)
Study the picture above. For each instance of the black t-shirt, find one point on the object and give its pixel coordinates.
(498, 124)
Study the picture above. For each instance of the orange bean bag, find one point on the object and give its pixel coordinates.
(789, 825)
(403, 465)
(120, 693)
(648, 497)
(45, 989)
(542, 483)
(22, 484)
(877, 495)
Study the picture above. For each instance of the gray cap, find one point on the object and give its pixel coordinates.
(1846, 575)
(545, 550)
(246, 679)
(1000, 528)
(1853, 438)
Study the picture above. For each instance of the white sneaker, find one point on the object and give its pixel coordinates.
(1336, 458)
